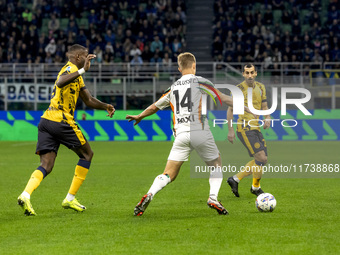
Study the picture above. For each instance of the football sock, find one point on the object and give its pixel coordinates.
(215, 181)
(245, 172)
(70, 197)
(25, 194)
(80, 173)
(255, 188)
(236, 179)
(256, 182)
(159, 183)
(35, 180)
(257, 174)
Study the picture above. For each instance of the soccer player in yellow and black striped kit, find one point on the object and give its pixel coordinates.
(57, 126)
(249, 132)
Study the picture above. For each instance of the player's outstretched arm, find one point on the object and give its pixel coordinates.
(147, 112)
(67, 78)
(94, 103)
(228, 100)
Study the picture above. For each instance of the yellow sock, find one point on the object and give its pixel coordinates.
(257, 174)
(79, 176)
(246, 171)
(36, 178)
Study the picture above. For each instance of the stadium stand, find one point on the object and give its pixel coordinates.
(113, 28)
(137, 42)
(274, 31)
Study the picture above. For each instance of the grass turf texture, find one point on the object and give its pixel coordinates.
(178, 220)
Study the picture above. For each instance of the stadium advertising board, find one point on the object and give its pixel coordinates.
(322, 125)
(19, 92)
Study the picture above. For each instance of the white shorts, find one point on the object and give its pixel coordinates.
(201, 141)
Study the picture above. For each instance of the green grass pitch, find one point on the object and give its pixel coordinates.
(178, 220)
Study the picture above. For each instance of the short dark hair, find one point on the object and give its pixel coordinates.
(248, 65)
(75, 48)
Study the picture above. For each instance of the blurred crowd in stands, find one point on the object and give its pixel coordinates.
(142, 31)
(136, 31)
(275, 31)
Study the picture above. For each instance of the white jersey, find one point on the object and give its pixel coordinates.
(187, 98)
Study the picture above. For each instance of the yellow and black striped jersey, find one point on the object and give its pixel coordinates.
(259, 97)
(63, 100)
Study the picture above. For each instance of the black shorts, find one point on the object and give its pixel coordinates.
(253, 140)
(51, 134)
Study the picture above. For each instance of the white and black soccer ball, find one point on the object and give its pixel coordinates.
(265, 202)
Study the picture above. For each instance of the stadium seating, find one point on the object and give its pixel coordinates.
(124, 18)
(304, 13)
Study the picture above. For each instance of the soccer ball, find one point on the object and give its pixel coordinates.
(265, 202)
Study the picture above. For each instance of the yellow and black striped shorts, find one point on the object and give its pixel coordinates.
(253, 140)
(51, 134)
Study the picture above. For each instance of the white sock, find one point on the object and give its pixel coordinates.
(159, 183)
(253, 188)
(215, 181)
(26, 194)
(236, 179)
(70, 197)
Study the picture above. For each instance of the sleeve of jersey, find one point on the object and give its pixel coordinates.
(207, 87)
(61, 73)
(81, 83)
(69, 69)
(164, 101)
(73, 69)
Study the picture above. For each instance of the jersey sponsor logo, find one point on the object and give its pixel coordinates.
(185, 119)
(68, 69)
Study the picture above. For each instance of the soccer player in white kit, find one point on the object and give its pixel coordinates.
(186, 98)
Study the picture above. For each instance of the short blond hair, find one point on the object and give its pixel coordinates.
(185, 60)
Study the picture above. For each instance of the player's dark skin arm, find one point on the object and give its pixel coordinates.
(67, 79)
(78, 60)
(94, 103)
(147, 112)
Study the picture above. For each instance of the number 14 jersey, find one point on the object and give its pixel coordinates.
(187, 98)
